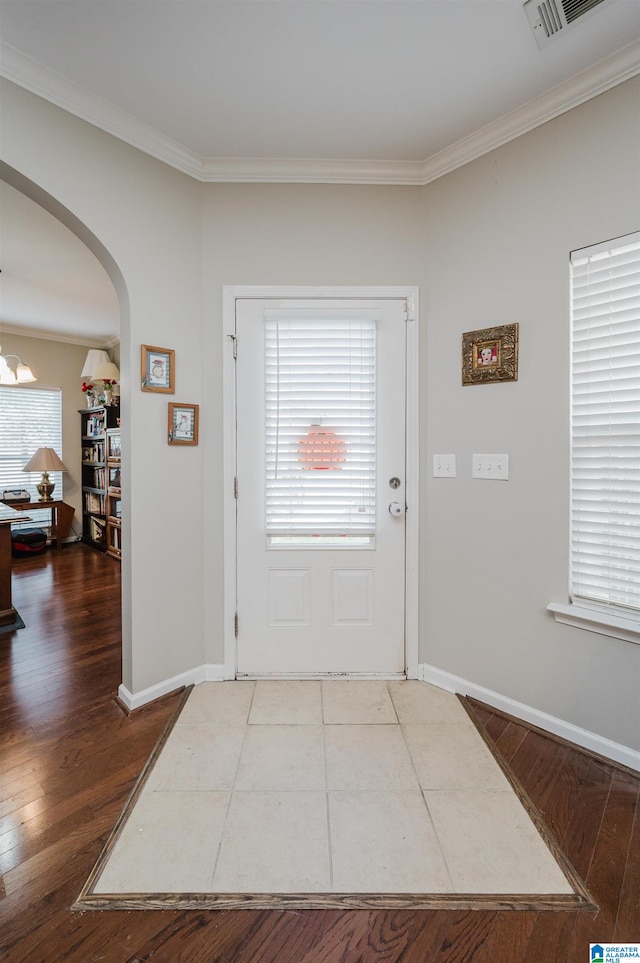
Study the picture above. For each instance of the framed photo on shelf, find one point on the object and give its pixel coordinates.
(158, 369)
(183, 424)
(490, 354)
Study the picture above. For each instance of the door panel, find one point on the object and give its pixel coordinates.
(320, 433)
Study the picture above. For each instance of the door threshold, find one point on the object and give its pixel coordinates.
(310, 676)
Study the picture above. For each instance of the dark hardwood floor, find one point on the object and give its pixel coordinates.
(69, 758)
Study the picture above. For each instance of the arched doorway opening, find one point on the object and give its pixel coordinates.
(88, 238)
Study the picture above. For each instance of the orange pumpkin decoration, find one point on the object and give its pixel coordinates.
(321, 450)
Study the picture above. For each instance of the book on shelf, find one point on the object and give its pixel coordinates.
(93, 453)
(97, 479)
(95, 424)
(115, 451)
(97, 530)
(93, 502)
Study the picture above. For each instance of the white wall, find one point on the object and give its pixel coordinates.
(291, 234)
(488, 245)
(147, 216)
(498, 235)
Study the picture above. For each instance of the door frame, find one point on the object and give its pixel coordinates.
(410, 293)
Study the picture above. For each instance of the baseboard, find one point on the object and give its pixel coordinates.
(201, 673)
(591, 741)
(623, 755)
(320, 676)
(206, 673)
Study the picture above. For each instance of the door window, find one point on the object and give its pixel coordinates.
(320, 431)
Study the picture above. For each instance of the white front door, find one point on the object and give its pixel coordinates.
(320, 464)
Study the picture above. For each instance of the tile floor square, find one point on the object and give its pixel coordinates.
(453, 757)
(198, 757)
(168, 845)
(287, 703)
(222, 703)
(491, 845)
(357, 703)
(368, 757)
(385, 842)
(417, 703)
(282, 757)
(275, 842)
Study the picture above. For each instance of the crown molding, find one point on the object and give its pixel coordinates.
(45, 334)
(596, 80)
(50, 85)
(293, 170)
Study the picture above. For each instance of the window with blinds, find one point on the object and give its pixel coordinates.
(320, 431)
(605, 424)
(30, 418)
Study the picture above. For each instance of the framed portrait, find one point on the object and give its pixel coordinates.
(183, 424)
(158, 369)
(490, 354)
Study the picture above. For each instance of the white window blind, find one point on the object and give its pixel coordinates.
(30, 418)
(320, 430)
(605, 424)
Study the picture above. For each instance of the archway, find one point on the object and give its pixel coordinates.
(31, 190)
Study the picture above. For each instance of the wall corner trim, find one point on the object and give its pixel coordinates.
(624, 755)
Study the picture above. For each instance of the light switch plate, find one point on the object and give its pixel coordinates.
(444, 466)
(490, 467)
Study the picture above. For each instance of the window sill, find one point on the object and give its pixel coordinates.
(604, 623)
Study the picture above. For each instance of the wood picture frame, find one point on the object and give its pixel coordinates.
(157, 369)
(183, 425)
(490, 355)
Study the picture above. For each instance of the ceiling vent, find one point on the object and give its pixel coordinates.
(548, 18)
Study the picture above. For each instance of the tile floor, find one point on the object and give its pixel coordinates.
(328, 787)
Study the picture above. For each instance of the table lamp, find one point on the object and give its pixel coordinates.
(45, 460)
(95, 357)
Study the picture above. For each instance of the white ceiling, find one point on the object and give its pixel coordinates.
(386, 91)
(51, 283)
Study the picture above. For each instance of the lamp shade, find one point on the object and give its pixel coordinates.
(24, 374)
(19, 375)
(7, 376)
(95, 357)
(45, 459)
(106, 370)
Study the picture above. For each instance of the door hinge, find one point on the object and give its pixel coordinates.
(235, 487)
(410, 312)
(234, 340)
(235, 625)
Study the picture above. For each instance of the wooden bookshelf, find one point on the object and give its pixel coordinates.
(95, 424)
(114, 493)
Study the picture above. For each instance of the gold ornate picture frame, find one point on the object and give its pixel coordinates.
(490, 354)
(158, 369)
(183, 424)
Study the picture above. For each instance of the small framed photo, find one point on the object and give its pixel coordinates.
(490, 354)
(158, 369)
(183, 424)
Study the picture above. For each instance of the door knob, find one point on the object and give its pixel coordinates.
(396, 509)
